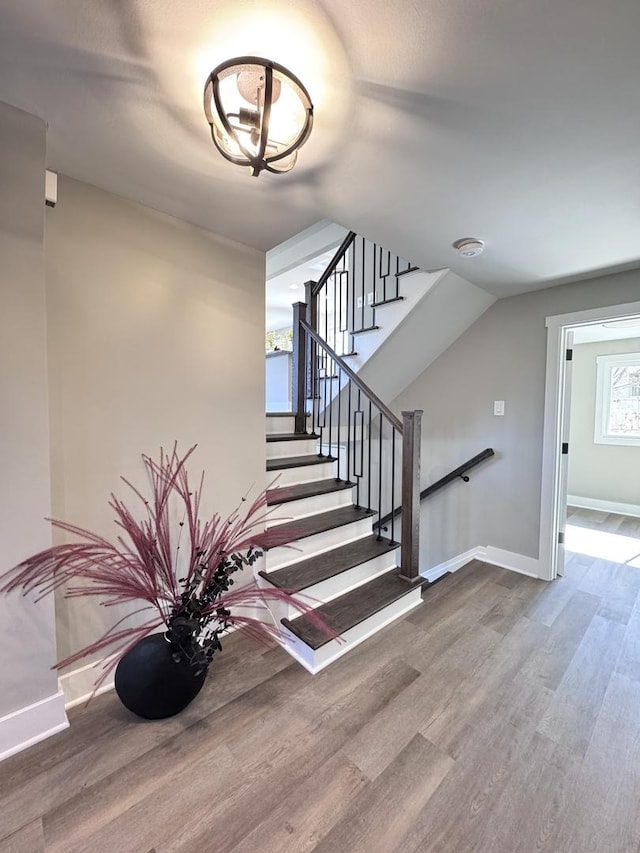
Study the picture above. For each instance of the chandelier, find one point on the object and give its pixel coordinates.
(260, 114)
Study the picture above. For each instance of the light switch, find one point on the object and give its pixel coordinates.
(498, 407)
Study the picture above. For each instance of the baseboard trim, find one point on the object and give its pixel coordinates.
(528, 566)
(453, 564)
(488, 554)
(27, 726)
(604, 506)
(77, 685)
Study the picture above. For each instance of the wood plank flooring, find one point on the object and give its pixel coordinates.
(502, 716)
(608, 522)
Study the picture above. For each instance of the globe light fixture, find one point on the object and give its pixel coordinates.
(260, 114)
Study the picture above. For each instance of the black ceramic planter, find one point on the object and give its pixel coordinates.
(151, 684)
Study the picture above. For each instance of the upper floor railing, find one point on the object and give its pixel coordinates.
(361, 277)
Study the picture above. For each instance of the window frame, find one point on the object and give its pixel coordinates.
(604, 367)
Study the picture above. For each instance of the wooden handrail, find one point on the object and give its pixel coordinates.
(386, 411)
(460, 471)
(335, 260)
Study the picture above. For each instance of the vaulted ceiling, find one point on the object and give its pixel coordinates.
(515, 121)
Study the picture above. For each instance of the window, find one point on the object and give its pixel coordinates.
(618, 399)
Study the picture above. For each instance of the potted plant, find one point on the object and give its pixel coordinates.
(180, 569)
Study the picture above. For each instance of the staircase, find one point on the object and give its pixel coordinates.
(335, 562)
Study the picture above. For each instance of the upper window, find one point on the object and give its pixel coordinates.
(618, 399)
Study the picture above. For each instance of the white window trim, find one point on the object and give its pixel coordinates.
(603, 398)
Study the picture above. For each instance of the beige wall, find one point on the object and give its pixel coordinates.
(27, 647)
(156, 333)
(501, 357)
(606, 472)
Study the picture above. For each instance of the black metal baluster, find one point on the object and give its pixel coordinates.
(324, 409)
(348, 441)
(362, 326)
(333, 367)
(352, 287)
(312, 383)
(369, 460)
(393, 480)
(335, 307)
(315, 387)
(339, 421)
(397, 279)
(380, 480)
(357, 469)
(326, 315)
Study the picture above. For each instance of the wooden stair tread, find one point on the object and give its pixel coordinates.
(290, 436)
(350, 609)
(283, 462)
(284, 494)
(320, 567)
(300, 528)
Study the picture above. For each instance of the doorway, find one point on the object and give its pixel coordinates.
(564, 333)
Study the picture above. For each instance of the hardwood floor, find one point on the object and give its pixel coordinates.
(607, 522)
(502, 716)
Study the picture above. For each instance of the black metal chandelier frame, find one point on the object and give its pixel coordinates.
(260, 119)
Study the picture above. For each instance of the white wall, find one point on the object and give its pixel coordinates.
(156, 333)
(601, 472)
(501, 357)
(28, 687)
(278, 381)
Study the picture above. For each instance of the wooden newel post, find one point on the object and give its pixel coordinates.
(311, 299)
(411, 428)
(312, 304)
(298, 377)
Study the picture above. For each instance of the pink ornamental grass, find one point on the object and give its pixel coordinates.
(180, 571)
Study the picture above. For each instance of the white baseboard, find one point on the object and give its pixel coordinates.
(604, 506)
(487, 553)
(529, 566)
(453, 564)
(77, 685)
(27, 726)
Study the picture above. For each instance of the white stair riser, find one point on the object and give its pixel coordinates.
(341, 583)
(310, 506)
(275, 424)
(277, 558)
(303, 474)
(299, 447)
(316, 660)
(346, 581)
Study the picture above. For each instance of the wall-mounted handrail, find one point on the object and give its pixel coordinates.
(386, 411)
(460, 471)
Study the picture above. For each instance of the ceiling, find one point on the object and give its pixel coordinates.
(288, 287)
(514, 121)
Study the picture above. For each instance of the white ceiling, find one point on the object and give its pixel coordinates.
(288, 287)
(515, 121)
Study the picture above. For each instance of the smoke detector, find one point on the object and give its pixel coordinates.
(469, 247)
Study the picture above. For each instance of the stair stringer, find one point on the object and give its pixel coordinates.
(436, 309)
(390, 358)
